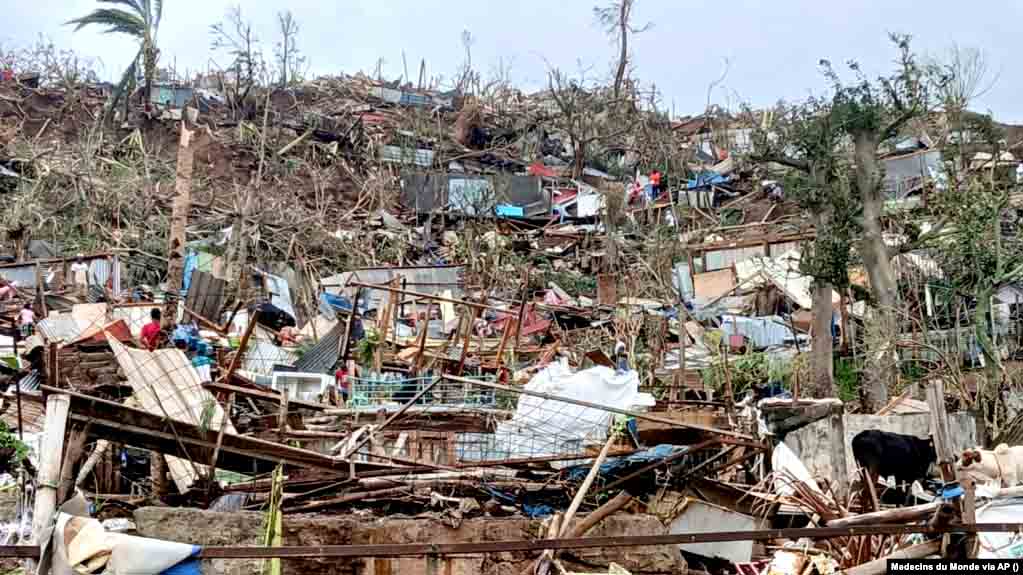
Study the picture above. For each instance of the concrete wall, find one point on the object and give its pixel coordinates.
(812, 443)
(245, 528)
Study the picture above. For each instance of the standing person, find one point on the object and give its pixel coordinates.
(80, 276)
(341, 379)
(151, 331)
(27, 321)
(655, 184)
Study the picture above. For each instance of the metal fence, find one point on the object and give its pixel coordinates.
(391, 389)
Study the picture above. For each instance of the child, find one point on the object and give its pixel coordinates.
(151, 331)
(27, 320)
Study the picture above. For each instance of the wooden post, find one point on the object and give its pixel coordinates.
(970, 515)
(473, 316)
(346, 339)
(236, 361)
(158, 474)
(57, 407)
(839, 468)
(581, 493)
(282, 416)
(939, 430)
(179, 221)
(384, 324)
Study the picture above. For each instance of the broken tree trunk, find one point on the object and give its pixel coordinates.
(57, 408)
(179, 221)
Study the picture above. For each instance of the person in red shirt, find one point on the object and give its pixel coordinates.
(151, 331)
(655, 184)
(341, 379)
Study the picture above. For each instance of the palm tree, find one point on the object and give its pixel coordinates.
(140, 20)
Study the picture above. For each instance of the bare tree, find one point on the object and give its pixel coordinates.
(235, 35)
(289, 58)
(466, 75)
(616, 19)
(586, 116)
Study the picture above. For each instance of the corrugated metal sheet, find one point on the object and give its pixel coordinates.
(262, 355)
(64, 328)
(134, 316)
(420, 157)
(471, 195)
(280, 293)
(721, 259)
(31, 382)
(761, 331)
(23, 276)
(322, 357)
(206, 295)
(432, 280)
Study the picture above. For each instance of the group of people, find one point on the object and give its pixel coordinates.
(655, 186)
(26, 315)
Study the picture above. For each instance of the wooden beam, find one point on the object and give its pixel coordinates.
(237, 359)
(113, 421)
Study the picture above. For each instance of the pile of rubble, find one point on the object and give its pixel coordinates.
(425, 326)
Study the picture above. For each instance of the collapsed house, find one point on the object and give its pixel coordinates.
(489, 382)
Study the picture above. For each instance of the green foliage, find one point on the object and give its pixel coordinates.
(847, 378)
(367, 346)
(874, 107)
(746, 370)
(9, 443)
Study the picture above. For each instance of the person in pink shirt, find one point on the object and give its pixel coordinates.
(27, 320)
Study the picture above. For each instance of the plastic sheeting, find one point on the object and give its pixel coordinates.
(545, 427)
(81, 545)
(784, 459)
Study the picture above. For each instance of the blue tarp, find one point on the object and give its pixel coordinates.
(339, 302)
(615, 466)
(506, 210)
(191, 264)
(706, 179)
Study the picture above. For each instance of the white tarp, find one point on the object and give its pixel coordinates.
(545, 427)
(81, 545)
(784, 459)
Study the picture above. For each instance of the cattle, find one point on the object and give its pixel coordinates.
(906, 457)
(1001, 467)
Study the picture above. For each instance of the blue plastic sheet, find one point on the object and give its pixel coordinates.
(615, 466)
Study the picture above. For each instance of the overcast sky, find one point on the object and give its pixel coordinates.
(773, 46)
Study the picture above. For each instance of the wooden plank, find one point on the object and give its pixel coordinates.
(110, 420)
(714, 284)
